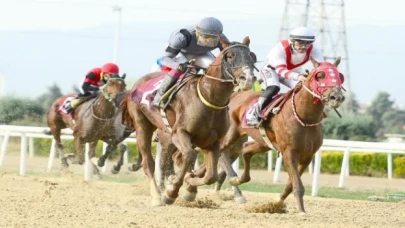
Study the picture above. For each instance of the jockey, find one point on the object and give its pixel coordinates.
(191, 42)
(94, 78)
(283, 65)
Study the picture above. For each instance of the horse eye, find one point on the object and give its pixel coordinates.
(230, 56)
(320, 76)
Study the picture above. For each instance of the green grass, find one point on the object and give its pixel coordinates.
(123, 179)
(326, 192)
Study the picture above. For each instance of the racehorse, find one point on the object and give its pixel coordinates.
(95, 119)
(196, 117)
(295, 131)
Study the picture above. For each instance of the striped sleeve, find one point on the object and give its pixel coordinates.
(277, 59)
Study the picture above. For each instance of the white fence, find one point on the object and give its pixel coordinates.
(27, 135)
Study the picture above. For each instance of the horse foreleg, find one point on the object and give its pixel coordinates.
(249, 150)
(226, 164)
(93, 159)
(116, 168)
(136, 166)
(200, 172)
(181, 139)
(110, 147)
(211, 157)
(221, 180)
(303, 164)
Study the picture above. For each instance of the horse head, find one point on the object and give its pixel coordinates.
(115, 84)
(237, 63)
(325, 83)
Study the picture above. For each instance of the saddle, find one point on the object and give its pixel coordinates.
(146, 92)
(276, 105)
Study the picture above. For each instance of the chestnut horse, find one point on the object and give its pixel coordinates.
(95, 119)
(295, 130)
(197, 116)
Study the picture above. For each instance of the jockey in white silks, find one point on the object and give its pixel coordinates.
(283, 65)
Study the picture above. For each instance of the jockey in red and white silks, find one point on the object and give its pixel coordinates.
(283, 66)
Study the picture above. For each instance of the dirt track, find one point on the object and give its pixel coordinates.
(68, 201)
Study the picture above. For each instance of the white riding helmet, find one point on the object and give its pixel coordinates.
(302, 33)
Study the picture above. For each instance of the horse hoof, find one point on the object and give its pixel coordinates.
(100, 163)
(133, 168)
(96, 171)
(113, 171)
(136, 167)
(167, 200)
(240, 200)
(157, 203)
(234, 181)
(190, 196)
(302, 213)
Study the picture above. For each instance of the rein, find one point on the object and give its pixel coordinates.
(296, 115)
(103, 90)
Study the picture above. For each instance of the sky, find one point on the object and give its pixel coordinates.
(75, 14)
(25, 19)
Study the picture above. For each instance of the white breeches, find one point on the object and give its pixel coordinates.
(270, 78)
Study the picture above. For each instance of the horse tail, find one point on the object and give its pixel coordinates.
(126, 118)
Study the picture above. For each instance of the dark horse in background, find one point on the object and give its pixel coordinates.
(197, 117)
(95, 119)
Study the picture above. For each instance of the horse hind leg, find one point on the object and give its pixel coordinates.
(249, 150)
(166, 163)
(182, 141)
(92, 157)
(78, 158)
(56, 132)
(103, 158)
(144, 131)
(211, 164)
(116, 168)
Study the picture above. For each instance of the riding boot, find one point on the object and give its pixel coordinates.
(255, 118)
(68, 108)
(168, 81)
(263, 101)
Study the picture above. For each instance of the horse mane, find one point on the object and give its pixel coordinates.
(233, 43)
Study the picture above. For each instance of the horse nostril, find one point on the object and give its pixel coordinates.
(333, 98)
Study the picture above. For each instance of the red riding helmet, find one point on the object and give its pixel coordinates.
(110, 68)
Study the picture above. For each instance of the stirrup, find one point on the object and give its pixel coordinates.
(275, 110)
(157, 103)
